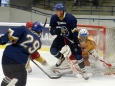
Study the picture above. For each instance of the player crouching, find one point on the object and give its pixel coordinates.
(35, 56)
(88, 46)
(89, 51)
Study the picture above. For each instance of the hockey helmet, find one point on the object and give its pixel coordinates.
(29, 24)
(83, 32)
(37, 27)
(59, 7)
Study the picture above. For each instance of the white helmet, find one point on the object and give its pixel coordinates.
(83, 32)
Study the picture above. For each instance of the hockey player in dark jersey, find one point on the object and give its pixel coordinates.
(36, 55)
(15, 56)
(64, 25)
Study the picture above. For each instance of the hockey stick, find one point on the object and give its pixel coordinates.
(71, 64)
(51, 77)
(45, 22)
(109, 65)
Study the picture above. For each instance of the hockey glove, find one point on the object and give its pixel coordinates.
(55, 31)
(60, 31)
(75, 47)
(76, 44)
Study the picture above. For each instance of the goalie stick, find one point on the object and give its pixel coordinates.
(109, 65)
(75, 70)
(51, 77)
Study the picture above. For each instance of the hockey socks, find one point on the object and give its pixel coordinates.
(8, 82)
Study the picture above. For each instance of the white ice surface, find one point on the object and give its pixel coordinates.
(38, 78)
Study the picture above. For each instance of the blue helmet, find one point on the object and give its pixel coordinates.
(59, 7)
(37, 26)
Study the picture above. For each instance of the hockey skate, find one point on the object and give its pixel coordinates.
(84, 74)
(61, 70)
(60, 60)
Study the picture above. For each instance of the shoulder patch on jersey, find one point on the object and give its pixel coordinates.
(91, 38)
(11, 37)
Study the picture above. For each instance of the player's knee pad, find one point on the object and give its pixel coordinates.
(54, 51)
(5, 81)
(93, 52)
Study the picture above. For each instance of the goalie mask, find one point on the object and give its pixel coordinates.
(83, 34)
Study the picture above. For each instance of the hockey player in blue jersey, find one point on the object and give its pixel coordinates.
(64, 25)
(15, 56)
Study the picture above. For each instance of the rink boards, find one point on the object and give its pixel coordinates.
(46, 37)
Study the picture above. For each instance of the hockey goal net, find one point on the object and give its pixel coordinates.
(105, 40)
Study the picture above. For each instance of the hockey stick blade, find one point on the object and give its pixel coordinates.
(51, 77)
(109, 65)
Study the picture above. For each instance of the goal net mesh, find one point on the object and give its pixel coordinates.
(105, 40)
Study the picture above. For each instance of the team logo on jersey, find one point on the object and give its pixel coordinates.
(35, 25)
(64, 31)
(59, 23)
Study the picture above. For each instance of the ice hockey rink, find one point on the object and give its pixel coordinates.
(38, 78)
